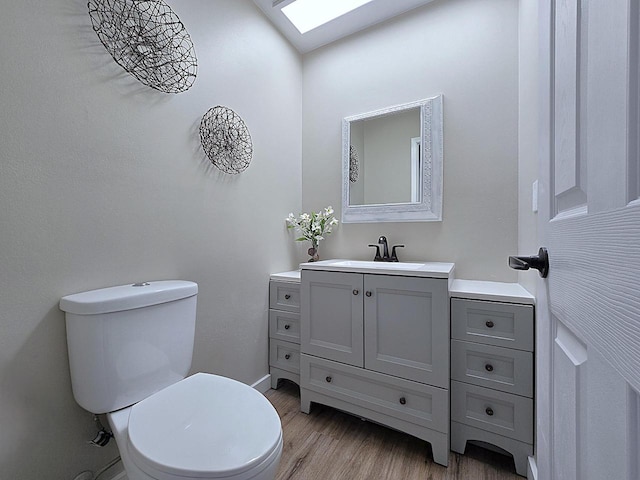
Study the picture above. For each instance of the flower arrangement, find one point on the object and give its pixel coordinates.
(313, 227)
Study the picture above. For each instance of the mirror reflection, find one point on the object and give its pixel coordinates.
(386, 150)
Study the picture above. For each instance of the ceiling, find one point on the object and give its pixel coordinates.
(374, 12)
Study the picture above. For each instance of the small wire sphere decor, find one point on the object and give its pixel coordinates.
(354, 165)
(226, 140)
(148, 40)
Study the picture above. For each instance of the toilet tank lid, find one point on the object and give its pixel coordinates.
(127, 297)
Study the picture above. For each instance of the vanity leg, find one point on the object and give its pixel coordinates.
(458, 444)
(274, 381)
(305, 403)
(521, 461)
(440, 452)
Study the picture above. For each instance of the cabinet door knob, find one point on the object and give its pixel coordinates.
(488, 367)
(403, 401)
(356, 291)
(368, 294)
(489, 411)
(328, 379)
(287, 326)
(489, 323)
(287, 356)
(287, 296)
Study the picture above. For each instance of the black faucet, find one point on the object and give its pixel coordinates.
(385, 251)
(385, 248)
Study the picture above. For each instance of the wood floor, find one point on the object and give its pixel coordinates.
(330, 445)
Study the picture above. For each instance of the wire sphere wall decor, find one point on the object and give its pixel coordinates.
(148, 40)
(354, 165)
(226, 140)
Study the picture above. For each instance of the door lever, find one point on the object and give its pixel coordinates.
(540, 262)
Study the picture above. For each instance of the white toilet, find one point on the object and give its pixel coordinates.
(130, 349)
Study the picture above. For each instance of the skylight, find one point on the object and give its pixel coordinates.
(309, 14)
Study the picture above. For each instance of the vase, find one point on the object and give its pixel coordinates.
(313, 252)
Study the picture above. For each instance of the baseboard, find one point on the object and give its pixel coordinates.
(264, 384)
(119, 476)
(532, 470)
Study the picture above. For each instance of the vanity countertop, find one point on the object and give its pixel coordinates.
(407, 269)
(292, 276)
(496, 291)
(458, 288)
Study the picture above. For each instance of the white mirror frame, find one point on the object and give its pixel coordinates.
(429, 209)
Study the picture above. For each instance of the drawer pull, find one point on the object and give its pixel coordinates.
(403, 401)
(368, 294)
(287, 296)
(287, 326)
(356, 291)
(489, 411)
(287, 356)
(328, 379)
(488, 367)
(489, 323)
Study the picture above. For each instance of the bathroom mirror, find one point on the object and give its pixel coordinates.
(392, 164)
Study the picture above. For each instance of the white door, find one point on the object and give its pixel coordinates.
(588, 324)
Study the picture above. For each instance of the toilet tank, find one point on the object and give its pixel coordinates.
(127, 342)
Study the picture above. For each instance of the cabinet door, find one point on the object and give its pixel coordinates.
(407, 328)
(331, 316)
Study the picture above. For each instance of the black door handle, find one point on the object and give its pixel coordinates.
(540, 262)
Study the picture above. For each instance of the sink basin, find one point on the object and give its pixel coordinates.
(413, 269)
(378, 265)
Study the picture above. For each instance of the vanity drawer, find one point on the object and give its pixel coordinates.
(493, 323)
(284, 296)
(501, 368)
(402, 399)
(498, 412)
(284, 326)
(284, 355)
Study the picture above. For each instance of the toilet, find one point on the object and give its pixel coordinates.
(130, 349)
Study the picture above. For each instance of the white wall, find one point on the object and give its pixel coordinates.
(466, 50)
(528, 139)
(103, 182)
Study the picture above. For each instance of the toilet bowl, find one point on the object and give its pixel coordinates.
(130, 349)
(203, 427)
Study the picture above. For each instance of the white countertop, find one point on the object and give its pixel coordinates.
(406, 269)
(292, 276)
(458, 288)
(496, 291)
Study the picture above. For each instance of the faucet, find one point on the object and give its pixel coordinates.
(385, 248)
(385, 251)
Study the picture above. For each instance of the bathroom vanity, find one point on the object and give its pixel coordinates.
(492, 367)
(284, 327)
(374, 341)
(408, 346)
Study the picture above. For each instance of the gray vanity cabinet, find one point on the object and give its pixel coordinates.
(387, 324)
(284, 331)
(377, 346)
(492, 376)
(331, 304)
(404, 333)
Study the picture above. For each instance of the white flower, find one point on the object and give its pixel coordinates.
(313, 226)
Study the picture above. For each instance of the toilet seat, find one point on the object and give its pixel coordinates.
(204, 426)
